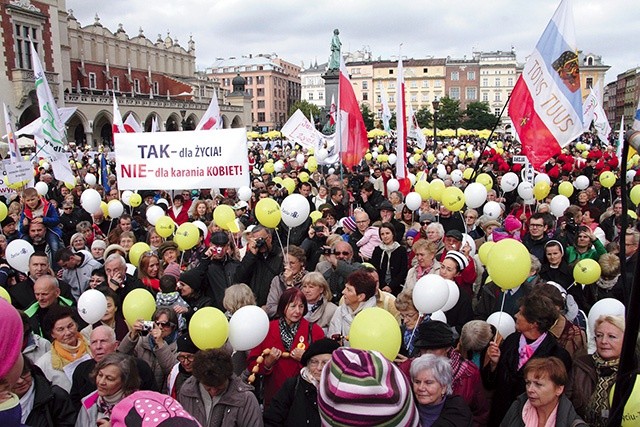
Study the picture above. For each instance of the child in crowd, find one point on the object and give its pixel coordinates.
(37, 209)
(170, 297)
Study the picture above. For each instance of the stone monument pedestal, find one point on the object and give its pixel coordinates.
(331, 78)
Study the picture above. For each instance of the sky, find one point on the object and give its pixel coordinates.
(300, 31)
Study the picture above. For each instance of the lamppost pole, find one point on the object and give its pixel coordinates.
(436, 105)
(183, 113)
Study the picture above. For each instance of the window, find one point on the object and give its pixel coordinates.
(485, 96)
(454, 92)
(260, 80)
(590, 61)
(261, 103)
(23, 49)
(414, 97)
(310, 96)
(510, 82)
(455, 76)
(425, 70)
(320, 95)
(391, 71)
(260, 91)
(425, 83)
(425, 97)
(365, 85)
(485, 82)
(365, 96)
(116, 83)
(471, 94)
(379, 85)
(497, 96)
(92, 81)
(496, 112)
(250, 91)
(437, 83)
(589, 81)
(379, 99)
(414, 84)
(136, 86)
(225, 82)
(261, 117)
(497, 81)
(471, 75)
(392, 85)
(249, 80)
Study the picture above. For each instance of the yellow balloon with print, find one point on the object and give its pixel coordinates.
(509, 264)
(303, 176)
(223, 216)
(485, 179)
(268, 213)
(165, 226)
(467, 174)
(269, 167)
(135, 200)
(136, 252)
(607, 179)
(385, 337)
(3, 211)
(208, 328)
(436, 187)
(631, 411)
(138, 304)
(541, 190)
(453, 199)
(289, 184)
(587, 271)
(187, 236)
(422, 188)
(565, 188)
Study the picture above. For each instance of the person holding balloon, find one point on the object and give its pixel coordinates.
(290, 334)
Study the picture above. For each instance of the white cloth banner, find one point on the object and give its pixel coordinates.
(182, 160)
(300, 130)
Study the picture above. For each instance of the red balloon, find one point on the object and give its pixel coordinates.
(405, 186)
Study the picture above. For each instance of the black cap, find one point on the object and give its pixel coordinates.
(219, 238)
(386, 206)
(323, 346)
(193, 278)
(456, 234)
(434, 334)
(8, 221)
(185, 345)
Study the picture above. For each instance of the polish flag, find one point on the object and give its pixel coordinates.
(118, 125)
(212, 118)
(131, 125)
(354, 143)
(546, 102)
(401, 123)
(332, 111)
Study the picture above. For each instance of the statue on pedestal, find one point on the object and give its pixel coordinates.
(336, 44)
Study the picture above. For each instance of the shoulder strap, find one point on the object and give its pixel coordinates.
(310, 335)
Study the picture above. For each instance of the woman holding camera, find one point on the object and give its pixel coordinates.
(155, 343)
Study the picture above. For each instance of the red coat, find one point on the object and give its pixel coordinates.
(183, 216)
(285, 367)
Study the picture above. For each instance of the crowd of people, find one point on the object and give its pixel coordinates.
(362, 246)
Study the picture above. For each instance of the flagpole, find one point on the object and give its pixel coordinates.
(339, 124)
(486, 144)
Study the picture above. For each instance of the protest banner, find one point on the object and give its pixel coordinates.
(182, 160)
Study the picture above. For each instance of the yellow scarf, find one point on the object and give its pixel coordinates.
(63, 354)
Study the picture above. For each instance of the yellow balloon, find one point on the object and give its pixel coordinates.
(509, 263)
(138, 304)
(315, 215)
(461, 155)
(587, 271)
(135, 200)
(268, 213)
(453, 199)
(165, 226)
(70, 185)
(5, 295)
(269, 167)
(104, 207)
(209, 328)
(289, 184)
(416, 157)
(483, 251)
(311, 161)
(223, 216)
(635, 195)
(380, 148)
(431, 158)
(136, 252)
(436, 187)
(3, 211)
(422, 188)
(385, 337)
(467, 174)
(632, 407)
(368, 157)
(585, 154)
(565, 188)
(486, 180)
(312, 167)
(607, 179)
(187, 236)
(277, 180)
(541, 190)
(303, 176)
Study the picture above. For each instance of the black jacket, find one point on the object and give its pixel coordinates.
(455, 412)
(295, 404)
(398, 265)
(51, 406)
(566, 415)
(372, 205)
(257, 271)
(219, 276)
(535, 247)
(22, 295)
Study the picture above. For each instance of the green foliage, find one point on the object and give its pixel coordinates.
(449, 115)
(367, 116)
(424, 117)
(305, 107)
(478, 116)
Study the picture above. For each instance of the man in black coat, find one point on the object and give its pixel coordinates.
(219, 268)
(22, 295)
(371, 200)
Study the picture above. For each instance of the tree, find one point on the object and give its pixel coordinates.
(449, 115)
(478, 116)
(424, 117)
(367, 116)
(305, 107)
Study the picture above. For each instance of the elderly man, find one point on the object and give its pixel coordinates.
(117, 278)
(261, 263)
(47, 292)
(22, 295)
(340, 267)
(102, 342)
(76, 269)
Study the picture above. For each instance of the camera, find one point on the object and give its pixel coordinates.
(261, 243)
(571, 225)
(147, 326)
(318, 229)
(326, 250)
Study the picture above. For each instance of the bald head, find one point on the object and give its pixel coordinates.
(46, 290)
(102, 342)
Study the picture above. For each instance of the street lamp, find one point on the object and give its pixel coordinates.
(183, 113)
(436, 105)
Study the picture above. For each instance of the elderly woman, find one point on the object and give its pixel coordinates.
(409, 320)
(435, 234)
(316, 289)
(532, 340)
(127, 239)
(290, 334)
(78, 242)
(544, 403)
(425, 254)
(294, 271)
(431, 379)
(68, 349)
(593, 375)
(149, 271)
(296, 402)
(390, 259)
(158, 346)
(116, 377)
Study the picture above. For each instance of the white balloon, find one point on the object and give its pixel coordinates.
(492, 210)
(45, 166)
(126, 196)
(90, 179)
(509, 182)
(442, 172)
(202, 226)
(331, 171)
(92, 305)
(17, 254)
(558, 205)
(322, 154)
(295, 210)
(456, 176)
(300, 158)
(278, 166)
(131, 269)
(439, 156)
(445, 152)
(42, 188)
(581, 182)
(248, 327)
(413, 201)
(412, 178)
(630, 175)
(154, 213)
(525, 190)
(475, 195)
(393, 158)
(412, 161)
(244, 193)
(542, 177)
(439, 315)
(166, 203)
(430, 294)
(393, 185)
(90, 200)
(115, 208)
(604, 307)
(454, 295)
(374, 154)
(503, 322)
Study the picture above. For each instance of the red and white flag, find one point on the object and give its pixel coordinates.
(14, 151)
(401, 124)
(131, 125)
(356, 143)
(212, 118)
(546, 102)
(332, 111)
(118, 124)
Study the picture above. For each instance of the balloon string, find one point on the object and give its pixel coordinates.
(279, 241)
(420, 317)
(288, 236)
(181, 258)
(495, 338)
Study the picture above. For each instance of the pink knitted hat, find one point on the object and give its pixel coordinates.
(10, 336)
(511, 223)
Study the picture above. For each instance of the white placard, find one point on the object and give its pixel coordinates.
(519, 159)
(19, 172)
(299, 129)
(182, 160)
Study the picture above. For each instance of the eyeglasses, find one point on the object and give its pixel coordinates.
(164, 324)
(535, 225)
(423, 223)
(470, 217)
(186, 357)
(67, 208)
(408, 315)
(343, 253)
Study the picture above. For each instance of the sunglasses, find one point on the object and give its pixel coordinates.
(344, 253)
(164, 324)
(425, 223)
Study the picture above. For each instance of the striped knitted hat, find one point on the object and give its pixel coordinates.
(362, 388)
